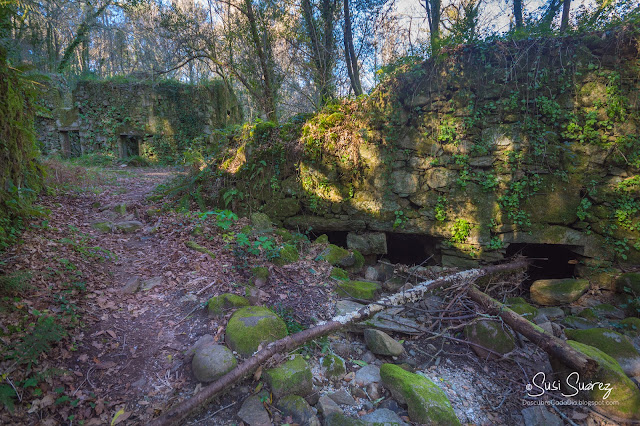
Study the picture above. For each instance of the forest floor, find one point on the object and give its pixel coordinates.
(82, 346)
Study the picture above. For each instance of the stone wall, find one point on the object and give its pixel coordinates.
(164, 119)
(528, 142)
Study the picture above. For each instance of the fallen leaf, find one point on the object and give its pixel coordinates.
(111, 333)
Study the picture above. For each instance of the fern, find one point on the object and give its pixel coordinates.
(46, 332)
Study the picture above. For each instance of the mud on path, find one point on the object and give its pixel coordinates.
(123, 351)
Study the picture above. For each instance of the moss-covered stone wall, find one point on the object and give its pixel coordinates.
(532, 141)
(167, 117)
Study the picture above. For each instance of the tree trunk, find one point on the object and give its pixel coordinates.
(322, 47)
(517, 13)
(180, 412)
(550, 344)
(433, 18)
(269, 101)
(350, 53)
(564, 23)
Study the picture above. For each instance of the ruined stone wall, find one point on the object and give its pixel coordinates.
(488, 147)
(165, 118)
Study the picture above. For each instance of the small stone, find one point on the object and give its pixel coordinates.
(369, 357)
(334, 366)
(381, 343)
(210, 362)
(358, 392)
(373, 390)
(367, 374)
(371, 274)
(253, 412)
(342, 397)
(326, 406)
(540, 416)
(552, 312)
(383, 416)
(150, 283)
(339, 419)
(349, 376)
(299, 410)
(189, 298)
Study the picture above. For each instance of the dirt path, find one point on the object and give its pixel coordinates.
(125, 348)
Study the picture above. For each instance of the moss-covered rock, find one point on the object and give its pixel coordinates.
(427, 403)
(617, 386)
(292, 377)
(558, 291)
(339, 274)
(340, 419)
(573, 321)
(287, 254)
(607, 310)
(322, 239)
(334, 366)
(335, 255)
(588, 314)
(613, 344)
(260, 275)
(219, 305)
(630, 325)
(282, 208)
(286, 236)
(103, 226)
(381, 343)
(629, 283)
(358, 289)
(358, 262)
(526, 310)
(250, 326)
(261, 223)
(491, 335)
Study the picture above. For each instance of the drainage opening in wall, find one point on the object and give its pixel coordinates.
(129, 145)
(70, 143)
(550, 260)
(413, 249)
(338, 238)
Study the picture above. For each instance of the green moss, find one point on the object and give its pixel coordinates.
(515, 301)
(491, 335)
(588, 314)
(334, 366)
(524, 309)
(283, 208)
(334, 254)
(558, 291)
(292, 377)
(105, 227)
(286, 236)
(629, 283)
(573, 321)
(339, 274)
(623, 390)
(287, 254)
(218, 305)
(358, 289)
(631, 325)
(260, 272)
(613, 344)
(261, 223)
(427, 403)
(359, 262)
(322, 239)
(249, 327)
(197, 247)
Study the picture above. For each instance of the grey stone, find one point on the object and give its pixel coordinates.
(253, 412)
(440, 177)
(129, 226)
(381, 343)
(150, 283)
(368, 374)
(371, 274)
(368, 357)
(339, 419)
(404, 183)
(132, 285)
(373, 391)
(299, 410)
(342, 397)
(484, 161)
(327, 406)
(552, 312)
(189, 298)
(367, 243)
(210, 362)
(540, 416)
(383, 416)
(206, 339)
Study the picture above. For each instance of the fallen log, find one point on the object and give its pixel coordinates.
(550, 344)
(181, 411)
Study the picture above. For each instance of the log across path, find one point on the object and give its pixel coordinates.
(465, 279)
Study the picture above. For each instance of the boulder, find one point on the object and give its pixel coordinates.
(427, 403)
(606, 310)
(334, 367)
(253, 412)
(358, 289)
(551, 312)
(219, 305)
(617, 386)
(252, 326)
(261, 223)
(368, 243)
(132, 285)
(524, 309)
(616, 345)
(282, 208)
(629, 283)
(210, 362)
(292, 377)
(150, 283)
(492, 335)
(299, 410)
(337, 256)
(260, 275)
(558, 291)
(381, 343)
(339, 274)
(286, 255)
(129, 226)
